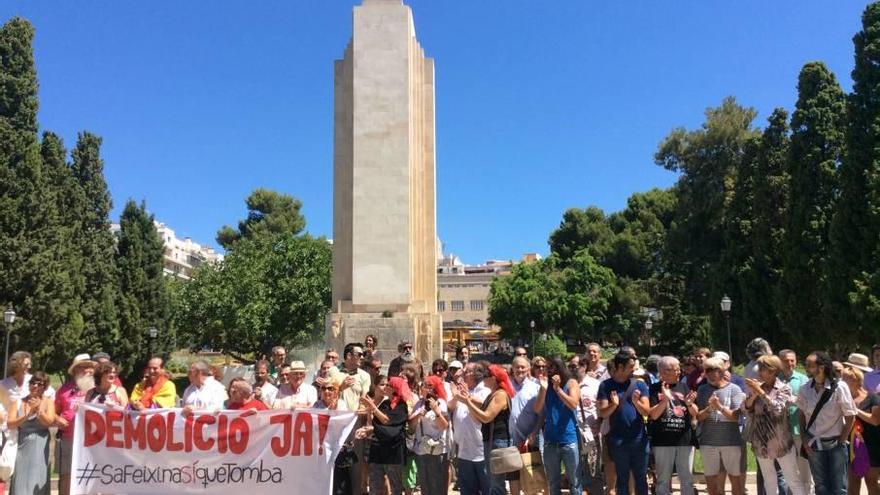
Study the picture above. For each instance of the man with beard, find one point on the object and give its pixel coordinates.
(405, 348)
(155, 391)
(264, 390)
(67, 400)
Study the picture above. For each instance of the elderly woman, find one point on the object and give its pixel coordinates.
(241, 397)
(866, 427)
(106, 391)
(429, 420)
(31, 416)
(767, 408)
(389, 412)
(494, 413)
(329, 400)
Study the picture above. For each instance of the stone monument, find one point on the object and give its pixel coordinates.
(384, 187)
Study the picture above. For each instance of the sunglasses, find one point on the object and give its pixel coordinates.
(520, 354)
(37, 383)
(327, 389)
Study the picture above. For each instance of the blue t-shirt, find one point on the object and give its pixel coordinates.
(559, 423)
(626, 424)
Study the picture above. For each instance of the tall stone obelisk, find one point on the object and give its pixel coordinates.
(384, 187)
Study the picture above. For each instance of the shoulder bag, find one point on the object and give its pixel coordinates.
(505, 459)
(826, 395)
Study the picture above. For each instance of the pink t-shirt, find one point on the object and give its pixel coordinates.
(67, 400)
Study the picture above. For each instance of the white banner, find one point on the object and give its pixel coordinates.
(230, 452)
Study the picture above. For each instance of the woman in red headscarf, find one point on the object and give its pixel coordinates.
(494, 413)
(430, 422)
(388, 414)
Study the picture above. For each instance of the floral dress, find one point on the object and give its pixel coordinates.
(768, 429)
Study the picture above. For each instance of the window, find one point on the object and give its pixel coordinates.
(476, 305)
(441, 305)
(458, 305)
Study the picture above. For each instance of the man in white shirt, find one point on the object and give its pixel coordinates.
(204, 392)
(472, 469)
(296, 393)
(264, 391)
(825, 441)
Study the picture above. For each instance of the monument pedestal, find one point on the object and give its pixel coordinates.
(342, 328)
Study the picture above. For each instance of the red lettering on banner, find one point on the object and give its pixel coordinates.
(132, 431)
(114, 429)
(156, 432)
(323, 423)
(222, 432)
(302, 435)
(281, 444)
(239, 433)
(188, 433)
(94, 428)
(199, 439)
(171, 445)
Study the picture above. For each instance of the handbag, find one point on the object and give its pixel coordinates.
(861, 462)
(427, 445)
(532, 478)
(8, 455)
(505, 459)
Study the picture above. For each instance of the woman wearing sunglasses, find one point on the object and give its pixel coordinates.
(30, 418)
(106, 391)
(328, 398)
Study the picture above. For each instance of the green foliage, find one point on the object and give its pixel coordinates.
(142, 301)
(268, 290)
(269, 213)
(570, 297)
(818, 127)
(549, 347)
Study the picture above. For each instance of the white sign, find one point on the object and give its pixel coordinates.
(230, 452)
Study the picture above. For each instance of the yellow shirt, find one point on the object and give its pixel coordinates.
(166, 396)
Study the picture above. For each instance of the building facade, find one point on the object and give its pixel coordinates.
(182, 256)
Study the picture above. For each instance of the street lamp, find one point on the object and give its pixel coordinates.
(725, 308)
(9, 319)
(532, 337)
(153, 332)
(649, 324)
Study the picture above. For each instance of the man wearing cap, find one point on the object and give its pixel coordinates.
(204, 392)
(67, 400)
(155, 391)
(295, 393)
(405, 348)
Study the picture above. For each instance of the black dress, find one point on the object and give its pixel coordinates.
(388, 443)
(871, 433)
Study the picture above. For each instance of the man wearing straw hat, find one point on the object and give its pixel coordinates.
(67, 400)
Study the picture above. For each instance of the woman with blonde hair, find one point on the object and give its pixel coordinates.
(865, 436)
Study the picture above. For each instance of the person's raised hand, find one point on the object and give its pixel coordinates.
(613, 398)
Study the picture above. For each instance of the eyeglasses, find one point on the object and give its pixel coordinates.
(328, 389)
(520, 354)
(358, 354)
(540, 366)
(37, 383)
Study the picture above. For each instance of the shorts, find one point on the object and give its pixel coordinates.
(715, 457)
(63, 456)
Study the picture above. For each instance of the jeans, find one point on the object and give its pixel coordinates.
(830, 468)
(555, 455)
(682, 459)
(631, 457)
(473, 477)
(499, 486)
(432, 472)
(788, 467)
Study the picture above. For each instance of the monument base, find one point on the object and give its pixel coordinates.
(424, 330)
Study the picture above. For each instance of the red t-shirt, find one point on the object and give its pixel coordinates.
(251, 404)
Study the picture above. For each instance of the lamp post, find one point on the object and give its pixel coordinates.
(532, 337)
(725, 308)
(649, 324)
(9, 319)
(153, 332)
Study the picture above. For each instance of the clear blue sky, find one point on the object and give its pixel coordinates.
(541, 106)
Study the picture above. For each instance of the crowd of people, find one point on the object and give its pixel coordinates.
(616, 425)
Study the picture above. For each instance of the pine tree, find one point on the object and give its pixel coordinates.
(96, 245)
(142, 299)
(855, 228)
(818, 130)
(771, 214)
